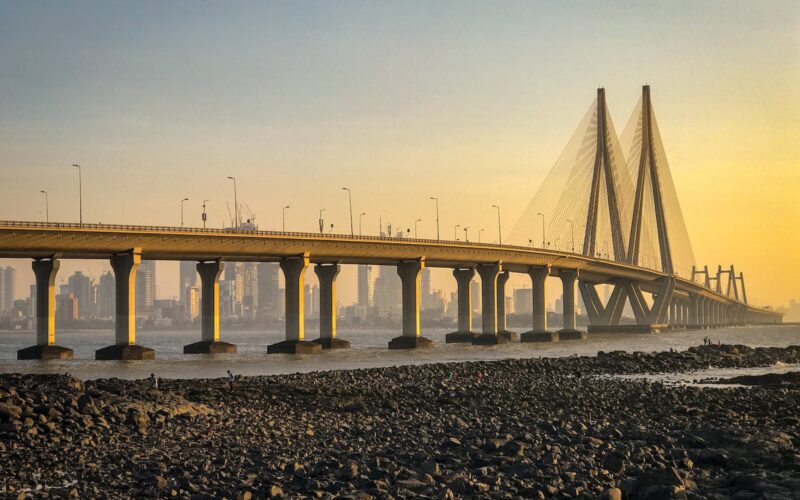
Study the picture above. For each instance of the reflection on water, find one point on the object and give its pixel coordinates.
(368, 350)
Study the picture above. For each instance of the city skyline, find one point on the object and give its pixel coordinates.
(149, 132)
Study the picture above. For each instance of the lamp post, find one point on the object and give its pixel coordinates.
(466, 234)
(283, 218)
(235, 203)
(360, 216)
(321, 221)
(542, 216)
(350, 199)
(499, 232)
(455, 231)
(80, 193)
(415, 227)
(479, 233)
(572, 234)
(204, 217)
(182, 202)
(437, 216)
(46, 207)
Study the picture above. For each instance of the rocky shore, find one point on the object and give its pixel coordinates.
(504, 429)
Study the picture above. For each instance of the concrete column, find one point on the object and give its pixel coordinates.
(568, 277)
(294, 272)
(327, 273)
(125, 348)
(464, 283)
(694, 311)
(45, 271)
(209, 309)
(673, 313)
(539, 332)
(502, 329)
(489, 274)
(409, 277)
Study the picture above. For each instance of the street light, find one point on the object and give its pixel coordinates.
(542, 215)
(572, 234)
(437, 216)
(321, 221)
(455, 231)
(283, 218)
(499, 233)
(350, 199)
(466, 234)
(415, 227)
(362, 214)
(235, 203)
(479, 233)
(182, 202)
(204, 213)
(80, 192)
(46, 207)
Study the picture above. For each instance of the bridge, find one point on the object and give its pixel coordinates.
(625, 199)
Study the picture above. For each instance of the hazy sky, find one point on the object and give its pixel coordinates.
(468, 101)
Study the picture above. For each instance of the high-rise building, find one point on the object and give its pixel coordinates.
(388, 291)
(82, 288)
(187, 278)
(523, 301)
(8, 289)
(268, 290)
(106, 286)
(226, 296)
(476, 295)
(192, 303)
(366, 286)
(145, 285)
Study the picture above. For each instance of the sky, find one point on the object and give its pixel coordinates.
(471, 102)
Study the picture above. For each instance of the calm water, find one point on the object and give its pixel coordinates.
(368, 350)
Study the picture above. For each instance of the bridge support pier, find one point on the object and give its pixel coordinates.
(294, 272)
(539, 333)
(125, 348)
(489, 274)
(464, 281)
(327, 273)
(209, 309)
(409, 272)
(45, 348)
(569, 332)
(502, 330)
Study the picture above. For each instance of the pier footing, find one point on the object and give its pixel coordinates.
(570, 334)
(410, 342)
(508, 335)
(459, 337)
(294, 347)
(124, 353)
(209, 347)
(653, 328)
(489, 339)
(332, 343)
(539, 336)
(45, 352)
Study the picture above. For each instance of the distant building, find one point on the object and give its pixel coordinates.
(145, 285)
(268, 291)
(67, 308)
(7, 278)
(106, 286)
(476, 295)
(191, 303)
(82, 288)
(187, 278)
(388, 291)
(523, 301)
(366, 286)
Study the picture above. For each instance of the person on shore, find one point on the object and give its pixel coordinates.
(153, 381)
(231, 380)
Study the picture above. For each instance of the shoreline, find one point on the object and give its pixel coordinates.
(529, 428)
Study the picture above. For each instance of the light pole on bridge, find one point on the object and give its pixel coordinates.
(80, 193)
(235, 203)
(466, 234)
(182, 202)
(499, 232)
(283, 218)
(479, 233)
(321, 221)
(46, 207)
(360, 216)
(455, 231)
(437, 216)
(415, 227)
(204, 216)
(572, 234)
(350, 199)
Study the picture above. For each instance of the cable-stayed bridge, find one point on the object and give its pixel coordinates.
(609, 201)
